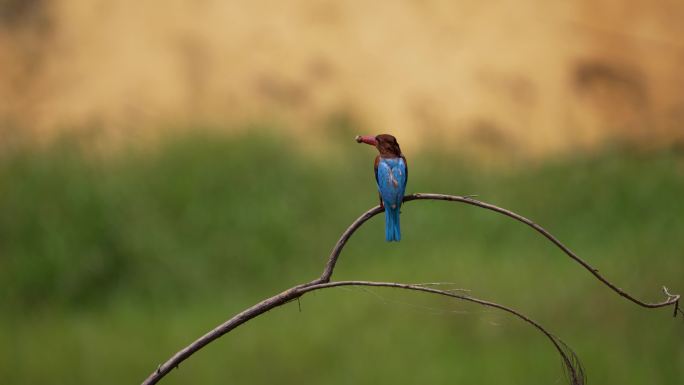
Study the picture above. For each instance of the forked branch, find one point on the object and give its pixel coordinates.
(570, 362)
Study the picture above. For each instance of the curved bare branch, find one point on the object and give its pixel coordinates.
(672, 300)
(569, 360)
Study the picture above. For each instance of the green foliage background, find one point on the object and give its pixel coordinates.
(109, 266)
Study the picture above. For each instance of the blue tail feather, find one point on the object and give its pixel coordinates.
(397, 229)
(392, 229)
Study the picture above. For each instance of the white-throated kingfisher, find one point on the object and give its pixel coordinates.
(391, 174)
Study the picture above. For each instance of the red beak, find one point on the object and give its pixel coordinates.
(366, 139)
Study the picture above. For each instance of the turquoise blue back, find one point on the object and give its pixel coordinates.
(391, 178)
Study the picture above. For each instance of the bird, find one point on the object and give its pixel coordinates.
(391, 175)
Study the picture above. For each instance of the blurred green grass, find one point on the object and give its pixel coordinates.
(109, 266)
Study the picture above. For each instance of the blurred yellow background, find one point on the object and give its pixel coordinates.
(524, 77)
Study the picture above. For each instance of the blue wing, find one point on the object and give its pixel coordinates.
(391, 177)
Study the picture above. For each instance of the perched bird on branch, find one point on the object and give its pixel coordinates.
(391, 174)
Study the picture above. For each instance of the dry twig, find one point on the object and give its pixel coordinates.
(570, 361)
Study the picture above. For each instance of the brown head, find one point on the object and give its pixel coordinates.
(386, 144)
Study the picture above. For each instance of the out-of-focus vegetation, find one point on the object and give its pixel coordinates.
(109, 266)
